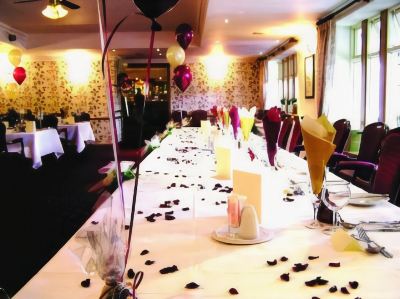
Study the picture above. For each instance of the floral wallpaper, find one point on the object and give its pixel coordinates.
(48, 87)
(240, 87)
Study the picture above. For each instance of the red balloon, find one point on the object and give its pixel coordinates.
(182, 77)
(19, 74)
(184, 35)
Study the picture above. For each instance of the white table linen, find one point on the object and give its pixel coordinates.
(36, 144)
(78, 133)
(217, 267)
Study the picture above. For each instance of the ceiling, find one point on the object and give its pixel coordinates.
(231, 22)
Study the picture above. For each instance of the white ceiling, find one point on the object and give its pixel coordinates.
(277, 20)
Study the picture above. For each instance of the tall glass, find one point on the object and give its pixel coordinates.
(335, 196)
(316, 202)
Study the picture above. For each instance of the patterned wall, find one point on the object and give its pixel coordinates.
(47, 87)
(240, 87)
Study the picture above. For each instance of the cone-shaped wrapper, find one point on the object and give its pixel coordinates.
(246, 123)
(318, 148)
(330, 129)
(235, 120)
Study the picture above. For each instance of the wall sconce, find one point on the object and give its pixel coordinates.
(78, 66)
(217, 63)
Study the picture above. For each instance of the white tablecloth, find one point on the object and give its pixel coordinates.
(217, 267)
(78, 133)
(37, 144)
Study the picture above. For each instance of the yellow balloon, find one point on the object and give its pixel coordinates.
(14, 56)
(175, 56)
(11, 90)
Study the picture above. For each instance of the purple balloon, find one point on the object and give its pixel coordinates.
(182, 77)
(184, 35)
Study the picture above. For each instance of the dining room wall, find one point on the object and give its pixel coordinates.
(48, 87)
(240, 87)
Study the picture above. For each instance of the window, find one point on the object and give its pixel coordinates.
(274, 95)
(393, 71)
(373, 69)
(282, 78)
(355, 118)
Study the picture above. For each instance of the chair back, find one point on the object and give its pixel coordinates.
(84, 117)
(295, 138)
(285, 132)
(3, 141)
(371, 139)
(388, 166)
(343, 129)
(50, 121)
(176, 115)
(197, 117)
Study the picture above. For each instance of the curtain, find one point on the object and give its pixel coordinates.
(263, 80)
(325, 57)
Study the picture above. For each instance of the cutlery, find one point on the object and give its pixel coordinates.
(363, 235)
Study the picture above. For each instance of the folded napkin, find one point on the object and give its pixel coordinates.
(272, 126)
(317, 136)
(225, 117)
(235, 120)
(247, 121)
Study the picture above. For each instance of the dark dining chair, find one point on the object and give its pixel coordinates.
(51, 121)
(4, 143)
(197, 116)
(295, 139)
(370, 146)
(284, 133)
(384, 175)
(176, 115)
(84, 117)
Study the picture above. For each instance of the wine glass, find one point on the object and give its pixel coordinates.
(335, 196)
(316, 202)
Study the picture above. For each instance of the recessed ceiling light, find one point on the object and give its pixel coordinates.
(158, 49)
(160, 54)
(113, 50)
(136, 78)
(258, 33)
(160, 78)
(226, 21)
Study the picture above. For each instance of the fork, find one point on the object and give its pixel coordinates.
(363, 235)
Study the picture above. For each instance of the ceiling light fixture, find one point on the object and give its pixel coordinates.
(226, 21)
(54, 10)
(158, 49)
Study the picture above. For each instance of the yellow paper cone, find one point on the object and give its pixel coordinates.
(318, 150)
(246, 124)
(331, 131)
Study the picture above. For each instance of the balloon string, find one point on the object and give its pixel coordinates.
(140, 142)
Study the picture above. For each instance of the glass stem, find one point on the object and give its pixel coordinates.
(315, 212)
(334, 219)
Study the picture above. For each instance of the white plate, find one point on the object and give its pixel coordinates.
(367, 201)
(221, 234)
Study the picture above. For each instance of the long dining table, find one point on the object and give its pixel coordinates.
(183, 168)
